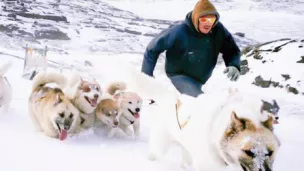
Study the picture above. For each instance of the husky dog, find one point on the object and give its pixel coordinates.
(221, 132)
(130, 104)
(271, 110)
(50, 110)
(5, 87)
(85, 95)
(107, 116)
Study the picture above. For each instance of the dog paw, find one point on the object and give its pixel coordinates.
(111, 133)
(128, 132)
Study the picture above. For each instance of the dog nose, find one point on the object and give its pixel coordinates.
(96, 96)
(66, 127)
(137, 109)
(115, 123)
(67, 124)
(276, 117)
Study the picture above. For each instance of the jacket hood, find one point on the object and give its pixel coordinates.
(202, 8)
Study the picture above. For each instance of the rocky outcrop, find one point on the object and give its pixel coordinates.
(275, 64)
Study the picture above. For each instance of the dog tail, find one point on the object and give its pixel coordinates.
(5, 67)
(43, 78)
(116, 86)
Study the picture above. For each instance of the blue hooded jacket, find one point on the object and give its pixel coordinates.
(191, 53)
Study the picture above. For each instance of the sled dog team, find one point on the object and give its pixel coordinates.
(223, 130)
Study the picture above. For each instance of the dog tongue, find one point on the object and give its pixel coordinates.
(94, 102)
(276, 122)
(63, 135)
(136, 115)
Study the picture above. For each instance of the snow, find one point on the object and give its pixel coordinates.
(256, 20)
(23, 149)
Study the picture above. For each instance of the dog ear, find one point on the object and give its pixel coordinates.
(275, 104)
(103, 110)
(58, 100)
(240, 124)
(268, 123)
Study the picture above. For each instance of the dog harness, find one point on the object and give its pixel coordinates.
(7, 81)
(182, 120)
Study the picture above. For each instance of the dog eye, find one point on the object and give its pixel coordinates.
(130, 102)
(249, 153)
(71, 115)
(61, 115)
(108, 114)
(81, 120)
(97, 88)
(86, 88)
(269, 154)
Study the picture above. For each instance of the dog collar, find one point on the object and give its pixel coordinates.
(131, 122)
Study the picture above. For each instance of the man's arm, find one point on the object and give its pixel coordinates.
(230, 50)
(159, 44)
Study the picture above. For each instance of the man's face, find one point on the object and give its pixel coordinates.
(206, 23)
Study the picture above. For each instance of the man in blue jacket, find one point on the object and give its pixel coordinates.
(192, 48)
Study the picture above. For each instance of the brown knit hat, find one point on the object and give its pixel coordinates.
(203, 7)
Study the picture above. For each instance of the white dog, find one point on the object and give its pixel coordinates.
(5, 87)
(85, 95)
(216, 132)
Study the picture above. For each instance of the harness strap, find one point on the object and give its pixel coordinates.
(7, 81)
(176, 108)
(181, 125)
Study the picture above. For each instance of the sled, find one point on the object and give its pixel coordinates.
(35, 61)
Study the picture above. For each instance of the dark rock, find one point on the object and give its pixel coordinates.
(292, 90)
(263, 61)
(302, 60)
(244, 69)
(8, 28)
(25, 34)
(240, 34)
(286, 76)
(88, 63)
(51, 34)
(260, 82)
(278, 48)
(150, 34)
(244, 62)
(132, 32)
(275, 84)
(258, 56)
(46, 17)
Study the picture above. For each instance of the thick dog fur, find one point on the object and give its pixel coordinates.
(85, 95)
(130, 104)
(107, 116)
(50, 110)
(5, 87)
(224, 131)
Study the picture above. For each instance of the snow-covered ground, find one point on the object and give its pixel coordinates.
(22, 149)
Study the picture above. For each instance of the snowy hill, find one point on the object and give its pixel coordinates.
(278, 64)
(93, 26)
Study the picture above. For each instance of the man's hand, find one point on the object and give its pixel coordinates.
(232, 73)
